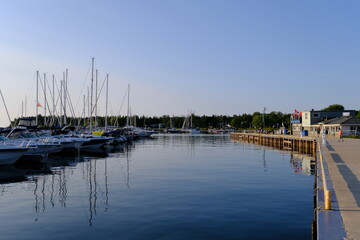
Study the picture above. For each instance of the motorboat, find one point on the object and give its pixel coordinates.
(94, 141)
(23, 137)
(138, 132)
(10, 153)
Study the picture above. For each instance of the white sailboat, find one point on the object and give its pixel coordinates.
(187, 126)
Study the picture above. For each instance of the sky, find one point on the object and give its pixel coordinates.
(221, 57)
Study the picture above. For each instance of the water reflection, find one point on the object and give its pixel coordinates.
(302, 163)
(159, 187)
(10, 174)
(192, 141)
(50, 179)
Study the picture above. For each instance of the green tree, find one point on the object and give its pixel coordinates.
(358, 114)
(334, 107)
(257, 121)
(236, 121)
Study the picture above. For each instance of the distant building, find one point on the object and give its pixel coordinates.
(350, 125)
(312, 117)
(327, 121)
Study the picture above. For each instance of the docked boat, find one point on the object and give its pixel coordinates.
(172, 130)
(138, 132)
(188, 126)
(94, 142)
(190, 130)
(21, 136)
(10, 153)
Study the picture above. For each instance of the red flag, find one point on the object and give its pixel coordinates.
(38, 105)
(297, 113)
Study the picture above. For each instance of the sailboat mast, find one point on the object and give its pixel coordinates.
(128, 107)
(53, 108)
(106, 107)
(88, 103)
(84, 114)
(65, 95)
(45, 99)
(25, 106)
(191, 115)
(6, 109)
(96, 95)
(37, 97)
(91, 98)
(61, 101)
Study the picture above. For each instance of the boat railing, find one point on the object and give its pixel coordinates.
(25, 143)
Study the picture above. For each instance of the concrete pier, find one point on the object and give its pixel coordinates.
(343, 163)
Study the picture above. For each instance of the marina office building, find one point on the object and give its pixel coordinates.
(329, 122)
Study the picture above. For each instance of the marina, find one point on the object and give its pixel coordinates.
(170, 186)
(139, 120)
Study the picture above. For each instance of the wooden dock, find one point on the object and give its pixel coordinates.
(305, 145)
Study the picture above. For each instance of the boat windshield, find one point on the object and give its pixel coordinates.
(2, 138)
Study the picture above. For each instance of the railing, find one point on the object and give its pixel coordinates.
(327, 192)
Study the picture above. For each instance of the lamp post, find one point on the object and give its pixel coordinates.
(264, 117)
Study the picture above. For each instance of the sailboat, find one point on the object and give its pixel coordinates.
(187, 126)
(132, 131)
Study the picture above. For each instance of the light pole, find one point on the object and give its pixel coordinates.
(264, 117)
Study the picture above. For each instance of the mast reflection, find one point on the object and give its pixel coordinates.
(50, 181)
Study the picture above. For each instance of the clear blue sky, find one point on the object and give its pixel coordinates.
(214, 57)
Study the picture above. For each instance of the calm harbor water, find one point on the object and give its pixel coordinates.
(168, 187)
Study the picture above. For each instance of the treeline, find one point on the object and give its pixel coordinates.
(256, 120)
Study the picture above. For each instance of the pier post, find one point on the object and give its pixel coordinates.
(327, 199)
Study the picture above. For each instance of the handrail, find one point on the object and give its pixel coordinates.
(327, 192)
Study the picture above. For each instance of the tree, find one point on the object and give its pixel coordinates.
(257, 121)
(358, 114)
(334, 107)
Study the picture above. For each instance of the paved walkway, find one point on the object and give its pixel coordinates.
(343, 160)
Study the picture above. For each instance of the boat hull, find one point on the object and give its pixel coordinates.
(10, 156)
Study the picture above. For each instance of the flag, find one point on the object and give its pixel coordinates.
(38, 105)
(297, 113)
